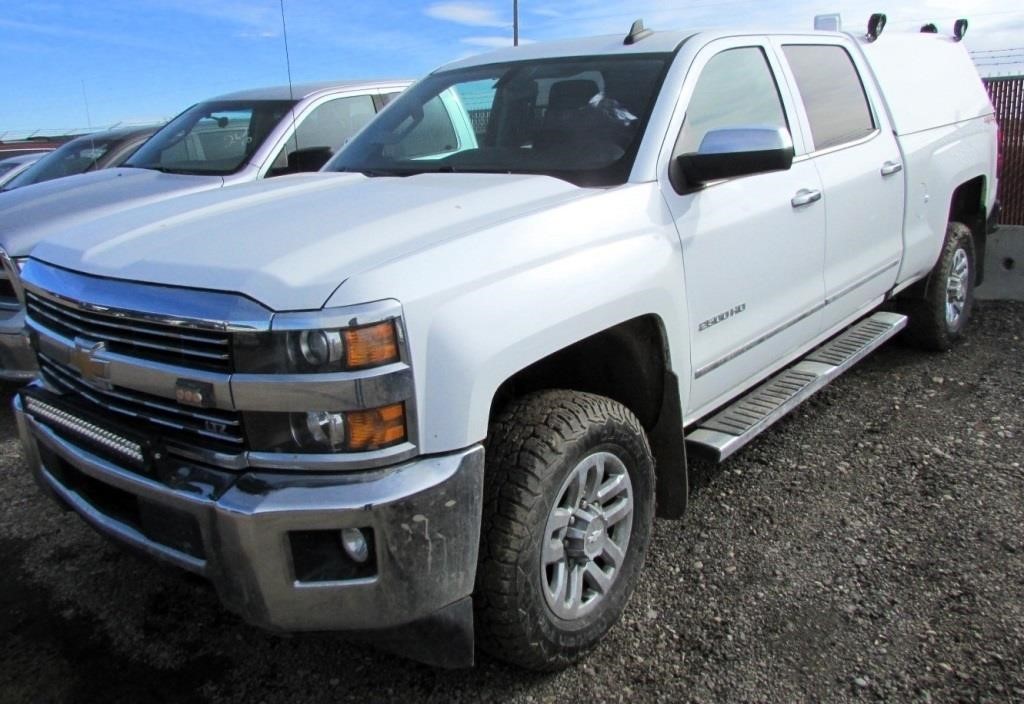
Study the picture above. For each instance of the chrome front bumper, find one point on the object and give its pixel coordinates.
(17, 358)
(239, 530)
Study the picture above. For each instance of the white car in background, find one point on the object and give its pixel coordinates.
(11, 167)
(230, 139)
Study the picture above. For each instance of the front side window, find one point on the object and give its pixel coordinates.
(736, 89)
(578, 119)
(215, 138)
(833, 96)
(322, 132)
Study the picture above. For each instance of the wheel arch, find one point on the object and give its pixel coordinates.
(967, 205)
(629, 363)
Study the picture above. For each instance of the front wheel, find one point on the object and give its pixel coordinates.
(568, 509)
(938, 319)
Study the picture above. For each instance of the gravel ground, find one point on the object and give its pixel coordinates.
(869, 547)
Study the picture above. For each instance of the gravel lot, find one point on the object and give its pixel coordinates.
(869, 547)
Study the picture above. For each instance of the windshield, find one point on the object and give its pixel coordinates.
(578, 119)
(215, 138)
(76, 157)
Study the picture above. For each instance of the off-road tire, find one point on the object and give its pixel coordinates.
(533, 447)
(927, 326)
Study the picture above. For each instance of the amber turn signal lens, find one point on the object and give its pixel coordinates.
(371, 346)
(376, 428)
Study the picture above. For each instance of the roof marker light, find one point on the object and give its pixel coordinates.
(875, 26)
(959, 29)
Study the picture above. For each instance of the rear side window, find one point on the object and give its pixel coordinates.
(832, 93)
(736, 89)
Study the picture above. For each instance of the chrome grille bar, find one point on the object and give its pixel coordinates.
(138, 338)
(137, 326)
(222, 426)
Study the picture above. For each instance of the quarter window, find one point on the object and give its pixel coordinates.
(832, 93)
(735, 89)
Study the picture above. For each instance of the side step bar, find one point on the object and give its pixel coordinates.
(750, 415)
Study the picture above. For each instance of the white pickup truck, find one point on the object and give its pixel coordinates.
(439, 392)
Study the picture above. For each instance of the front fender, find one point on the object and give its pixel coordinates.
(480, 308)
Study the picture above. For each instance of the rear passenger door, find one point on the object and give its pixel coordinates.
(853, 148)
(752, 246)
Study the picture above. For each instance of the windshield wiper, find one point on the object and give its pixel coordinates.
(180, 172)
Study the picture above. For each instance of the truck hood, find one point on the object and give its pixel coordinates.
(32, 213)
(291, 241)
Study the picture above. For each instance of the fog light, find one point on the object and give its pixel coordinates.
(354, 542)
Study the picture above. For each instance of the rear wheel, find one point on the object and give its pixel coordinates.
(569, 503)
(939, 318)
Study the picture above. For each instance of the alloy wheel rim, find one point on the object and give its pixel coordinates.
(956, 288)
(586, 536)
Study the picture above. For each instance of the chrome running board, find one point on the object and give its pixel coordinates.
(744, 419)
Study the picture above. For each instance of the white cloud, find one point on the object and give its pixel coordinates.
(467, 13)
(545, 12)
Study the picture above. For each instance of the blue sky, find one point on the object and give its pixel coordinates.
(69, 64)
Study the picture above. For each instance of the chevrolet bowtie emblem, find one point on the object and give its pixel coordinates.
(83, 358)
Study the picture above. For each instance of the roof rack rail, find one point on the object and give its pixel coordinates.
(636, 33)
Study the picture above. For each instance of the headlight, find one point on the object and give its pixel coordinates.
(327, 431)
(317, 351)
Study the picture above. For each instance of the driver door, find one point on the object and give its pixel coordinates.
(753, 246)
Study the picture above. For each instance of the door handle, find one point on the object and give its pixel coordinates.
(891, 167)
(805, 196)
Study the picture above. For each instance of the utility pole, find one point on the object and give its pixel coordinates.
(515, 22)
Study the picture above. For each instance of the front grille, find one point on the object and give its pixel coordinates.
(144, 339)
(151, 413)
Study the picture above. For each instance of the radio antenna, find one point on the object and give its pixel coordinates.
(85, 99)
(88, 120)
(288, 65)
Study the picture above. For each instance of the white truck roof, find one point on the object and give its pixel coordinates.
(950, 91)
(653, 43)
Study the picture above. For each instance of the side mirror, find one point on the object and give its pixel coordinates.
(309, 159)
(732, 152)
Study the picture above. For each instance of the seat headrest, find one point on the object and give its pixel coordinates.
(571, 95)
